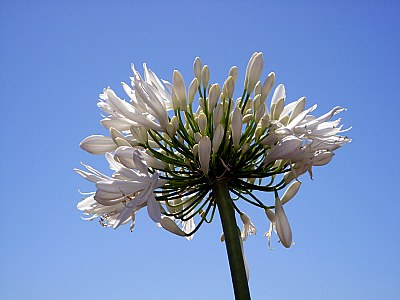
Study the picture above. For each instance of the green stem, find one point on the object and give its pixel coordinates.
(232, 239)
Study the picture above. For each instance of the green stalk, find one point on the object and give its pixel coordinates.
(232, 239)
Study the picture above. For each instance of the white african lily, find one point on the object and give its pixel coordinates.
(248, 227)
(124, 193)
(156, 133)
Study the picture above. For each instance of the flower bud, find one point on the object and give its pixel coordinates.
(202, 122)
(194, 85)
(201, 105)
(175, 122)
(217, 138)
(267, 86)
(205, 76)
(197, 67)
(247, 118)
(204, 153)
(246, 79)
(256, 102)
(254, 72)
(195, 150)
(270, 215)
(170, 130)
(234, 73)
(265, 121)
(258, 88)
(258, 132)
(290, 192)
(169, 225)
(180, 89)
(249, 105)
(218, 111)
(175, 102)
(260, 113)
(245, 147)
(277, 109)
(197, 137)
(229, 87)
(213, 96)
(282, 224)
(236, 127)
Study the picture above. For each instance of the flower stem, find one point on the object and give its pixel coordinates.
(232, 239)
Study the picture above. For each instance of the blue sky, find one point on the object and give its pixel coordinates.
(57, 57)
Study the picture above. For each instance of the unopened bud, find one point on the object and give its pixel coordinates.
(218, 112)
(197, 137)
(202, 122)
(236, 127)
(234, 73)
(204, 153)
(254, 71)
(213, 96)
(169, 225)
(229, 87)
(180, 89)
(247, 118)
(290, 192)
(205, 76)
(217, 138)
(194, 85)
(260, 113)
(197, 67)
(267, 86)
(258, 88)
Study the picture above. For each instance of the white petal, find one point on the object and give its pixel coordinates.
(154, 209)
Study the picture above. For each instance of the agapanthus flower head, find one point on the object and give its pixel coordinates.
(168, 144)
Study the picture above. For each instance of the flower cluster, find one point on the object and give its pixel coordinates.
(165, 155)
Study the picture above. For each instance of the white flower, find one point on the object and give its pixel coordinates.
(285, 149)
(119, 197)
(170, 161)
(248, 227)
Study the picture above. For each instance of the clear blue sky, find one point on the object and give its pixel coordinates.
(57, 56)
